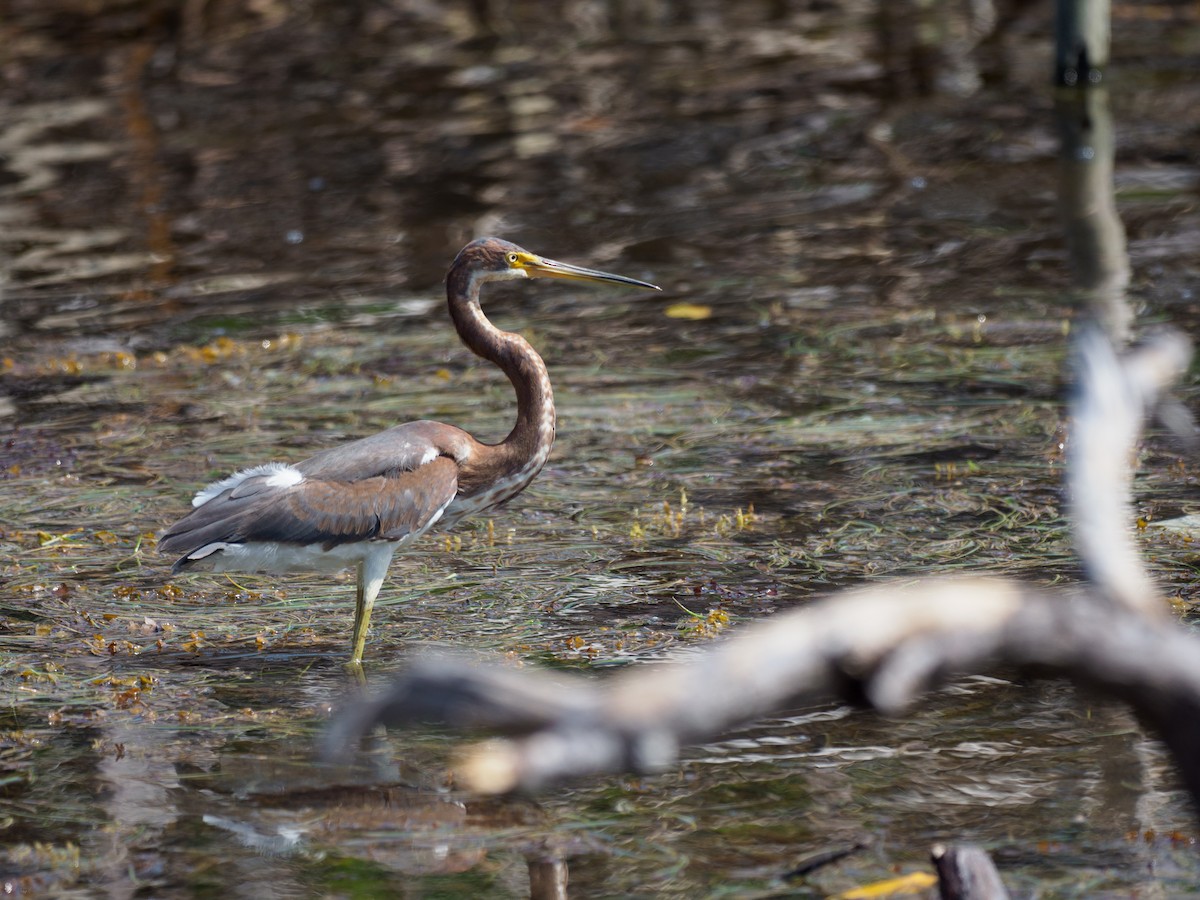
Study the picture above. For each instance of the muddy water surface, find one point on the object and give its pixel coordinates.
(222, 235)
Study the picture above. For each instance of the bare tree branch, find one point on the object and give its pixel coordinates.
(1114, 399)
(880, 646)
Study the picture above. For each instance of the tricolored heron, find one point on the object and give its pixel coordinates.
(355, 504)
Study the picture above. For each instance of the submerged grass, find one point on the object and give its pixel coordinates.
(665, 517)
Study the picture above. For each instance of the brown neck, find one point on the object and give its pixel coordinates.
(531, 438)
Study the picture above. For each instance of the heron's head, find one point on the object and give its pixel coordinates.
(491, 259)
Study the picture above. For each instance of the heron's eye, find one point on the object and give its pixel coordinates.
(512, 258)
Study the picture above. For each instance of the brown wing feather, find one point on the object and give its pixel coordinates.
(374, 488)
(399, 449)
(384, 507)
(317, 511)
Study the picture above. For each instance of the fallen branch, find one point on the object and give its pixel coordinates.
(1114, 399)
(880, 647)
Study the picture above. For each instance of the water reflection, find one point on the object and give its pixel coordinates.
(1095, 234)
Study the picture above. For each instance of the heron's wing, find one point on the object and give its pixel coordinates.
(400, 449)
(386, 507)
(290, 505)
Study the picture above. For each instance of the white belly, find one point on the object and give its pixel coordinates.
(264, 556)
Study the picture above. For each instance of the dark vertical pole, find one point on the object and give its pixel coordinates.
(1095, 235)
(1082, 30)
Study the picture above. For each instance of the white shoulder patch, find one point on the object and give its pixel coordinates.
(278, 475)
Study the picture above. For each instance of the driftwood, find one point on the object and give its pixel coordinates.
(1113, 400)
(880, 647)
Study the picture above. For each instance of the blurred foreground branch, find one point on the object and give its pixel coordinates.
(880, 647)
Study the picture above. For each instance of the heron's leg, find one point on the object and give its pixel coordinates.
(372, 569)
(362, 617)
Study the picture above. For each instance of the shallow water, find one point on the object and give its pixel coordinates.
(223, 235)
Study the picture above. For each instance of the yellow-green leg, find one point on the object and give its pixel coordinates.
(372, 569)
